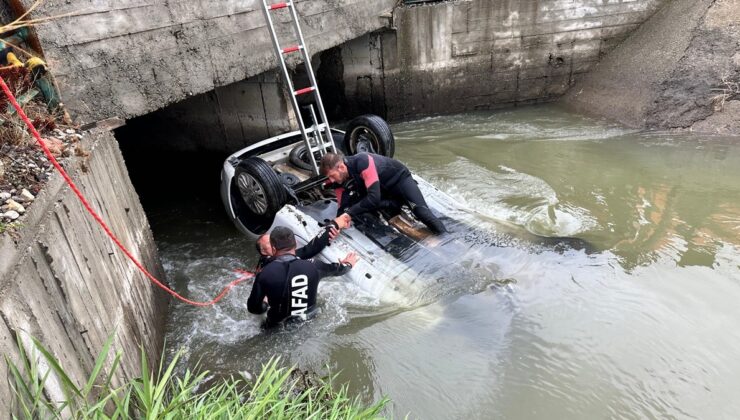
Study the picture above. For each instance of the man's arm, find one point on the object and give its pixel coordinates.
(317, 244)
(256, 302)
(336, 269)
(372, 184)
(331, 269)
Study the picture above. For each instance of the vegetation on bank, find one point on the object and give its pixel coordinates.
(728, 90)
(23, 167)
(159, 394)
(7, 226)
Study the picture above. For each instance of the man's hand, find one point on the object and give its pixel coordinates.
(333, 233)
(350, 259)
(343, 221)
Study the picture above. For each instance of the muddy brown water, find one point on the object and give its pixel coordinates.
(644, 327)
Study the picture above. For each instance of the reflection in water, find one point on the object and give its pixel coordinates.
(637, 195)
(641, 324)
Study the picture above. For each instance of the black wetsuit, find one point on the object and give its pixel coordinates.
(4, 54)
(290, 285)
(380, 183)
(310, 250)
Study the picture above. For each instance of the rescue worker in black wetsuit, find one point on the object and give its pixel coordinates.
(310, 250)
(290, 283)
(367, 182)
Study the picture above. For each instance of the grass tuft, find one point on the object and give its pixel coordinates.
(278, 392)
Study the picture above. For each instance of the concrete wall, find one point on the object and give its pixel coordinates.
(479, 54)
(669, 73)
(224, 119)
(64, 282)
(129, 57)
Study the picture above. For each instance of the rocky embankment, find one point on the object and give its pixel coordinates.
(680, 70)
(24, 169)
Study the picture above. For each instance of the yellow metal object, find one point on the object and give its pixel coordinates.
(13, 60)
(34, 62)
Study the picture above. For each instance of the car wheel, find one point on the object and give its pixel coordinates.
(260, 187)
(369, 134)
(299, 157)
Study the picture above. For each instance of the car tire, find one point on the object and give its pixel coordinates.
(370, 134)
(260, 187)
(299, 157)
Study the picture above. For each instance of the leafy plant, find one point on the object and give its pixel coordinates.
(278, 392)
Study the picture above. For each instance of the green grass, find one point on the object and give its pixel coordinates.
(277, 393)
(8, 226)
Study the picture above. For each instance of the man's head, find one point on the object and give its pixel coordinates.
(282, 240)
(333, 167)
(263, 245)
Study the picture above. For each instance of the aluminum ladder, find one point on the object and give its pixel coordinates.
(318, 137)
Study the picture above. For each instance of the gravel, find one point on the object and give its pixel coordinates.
(24, 169)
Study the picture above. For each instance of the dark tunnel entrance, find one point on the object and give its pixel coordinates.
(175, 186)
(174, 155)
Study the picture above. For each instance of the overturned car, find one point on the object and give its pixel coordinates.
(275, 182)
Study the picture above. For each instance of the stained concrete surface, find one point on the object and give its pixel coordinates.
(64, 282)
(224, 119)
(127, 58)
(467, 55)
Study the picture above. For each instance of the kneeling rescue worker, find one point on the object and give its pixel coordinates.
(290, 283)
(368, 182)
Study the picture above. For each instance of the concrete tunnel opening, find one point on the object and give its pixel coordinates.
(174, 155)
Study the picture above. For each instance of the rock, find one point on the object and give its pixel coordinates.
(15, 206)
(69, 131)
(4, 196)
(12, 215)
(56, 147)
(26, 196)
(2, 169)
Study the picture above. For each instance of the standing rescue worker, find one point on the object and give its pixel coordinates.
(289, 283)
(367, 182)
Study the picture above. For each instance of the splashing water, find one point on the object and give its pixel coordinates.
(508, 325)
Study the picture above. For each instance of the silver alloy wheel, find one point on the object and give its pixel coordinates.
(364, 140)
(252, 193)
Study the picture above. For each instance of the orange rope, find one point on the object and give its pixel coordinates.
(245, 274)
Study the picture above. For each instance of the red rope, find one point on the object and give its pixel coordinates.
(245, 274)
